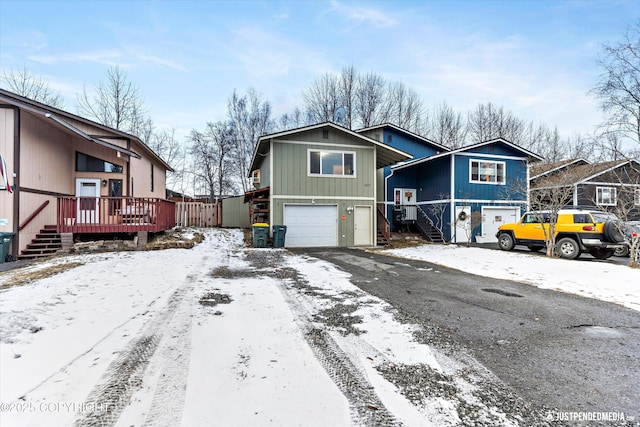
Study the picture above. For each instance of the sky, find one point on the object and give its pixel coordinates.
(536, 59)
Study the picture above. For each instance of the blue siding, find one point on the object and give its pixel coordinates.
(514, 188)
(408, 144)
(434, 178)
(496, 149)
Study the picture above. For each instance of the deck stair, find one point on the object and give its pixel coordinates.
(46, 243)
(427, 229)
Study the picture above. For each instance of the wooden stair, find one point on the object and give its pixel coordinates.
(427, 229)
(381, 240)
(46, 243)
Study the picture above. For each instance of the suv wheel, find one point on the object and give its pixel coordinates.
(568, 248)
(505, 241)
(621, 251)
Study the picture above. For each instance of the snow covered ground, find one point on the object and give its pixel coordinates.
(226, 335)
(601, 280)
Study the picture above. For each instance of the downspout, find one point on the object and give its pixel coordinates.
(452, 208)
(129, 180)
(16, 181)
(386, 193)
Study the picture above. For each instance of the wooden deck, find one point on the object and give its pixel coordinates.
(114, 215)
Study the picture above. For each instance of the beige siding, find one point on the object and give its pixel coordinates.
(6, 149)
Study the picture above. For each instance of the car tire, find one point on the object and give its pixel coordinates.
(621, 251)
(612, 233)
(534, 248)
(505, 241)
(599, 253)
(568, 248)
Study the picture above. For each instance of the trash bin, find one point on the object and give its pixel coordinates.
(279, 232)
(260, 235)
(5, 244)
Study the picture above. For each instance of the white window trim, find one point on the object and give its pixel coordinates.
(321, 175)
(613, 193)
(504, 171)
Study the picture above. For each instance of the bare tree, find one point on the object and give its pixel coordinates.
(23, 82)
(323, 98)
(369, 96)
(116, 103)
(447, 127)
(250, 118)
(211, 151)
(618, 87)
(488, 122)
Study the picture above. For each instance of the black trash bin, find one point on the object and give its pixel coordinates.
(5, 244)
(260, 235)
(279, 233)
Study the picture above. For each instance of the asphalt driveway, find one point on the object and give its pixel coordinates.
(557, 350)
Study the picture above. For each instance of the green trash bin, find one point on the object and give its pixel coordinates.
(279, 233)
(5, 244)
(260, 235)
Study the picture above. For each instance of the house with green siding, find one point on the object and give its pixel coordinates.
(321, 182)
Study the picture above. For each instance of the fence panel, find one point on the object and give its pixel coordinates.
(198, 214)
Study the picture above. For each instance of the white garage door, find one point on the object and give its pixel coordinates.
(311, 225)
(493, 217)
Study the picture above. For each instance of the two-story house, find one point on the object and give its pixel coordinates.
(321, 182)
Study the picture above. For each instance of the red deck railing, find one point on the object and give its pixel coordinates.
(114, 214)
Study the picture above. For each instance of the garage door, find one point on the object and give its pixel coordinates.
(311, 225)
(493, 217)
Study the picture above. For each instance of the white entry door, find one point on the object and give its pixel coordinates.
(493, 217)
(362, 226)
(463, 224)
(87, 193)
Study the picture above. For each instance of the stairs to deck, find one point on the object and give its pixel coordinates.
(46, 243)
(427, 229)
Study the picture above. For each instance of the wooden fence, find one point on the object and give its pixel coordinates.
(198, 214)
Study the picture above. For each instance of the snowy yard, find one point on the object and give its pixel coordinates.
(226, 335)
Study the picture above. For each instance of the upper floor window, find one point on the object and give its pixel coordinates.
(322, 162)
(606, 196)
(487, 172)
(86, 163)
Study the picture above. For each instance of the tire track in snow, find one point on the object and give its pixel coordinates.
(366, 407)
(125, 374)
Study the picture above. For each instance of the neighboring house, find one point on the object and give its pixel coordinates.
(409, 142)
(612, 186)
(70, 176)
(466, 193)
(321, 182)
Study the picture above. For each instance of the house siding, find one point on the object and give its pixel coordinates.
(512, 189)
(345, 227)
(292, 158)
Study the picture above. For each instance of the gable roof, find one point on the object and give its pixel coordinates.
(57, 117)
(525, 152)
(386, 155)
(539, 170)
(427, 141)
(582, 173)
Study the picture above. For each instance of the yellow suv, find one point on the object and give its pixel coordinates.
(576, 231)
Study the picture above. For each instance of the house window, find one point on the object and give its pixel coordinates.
(86, 163)
(256, 176)
(484, 172)
(389, 139)
(339, 163)
(325, 133)
(606, 196)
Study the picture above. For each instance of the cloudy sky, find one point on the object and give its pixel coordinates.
(534, 58)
